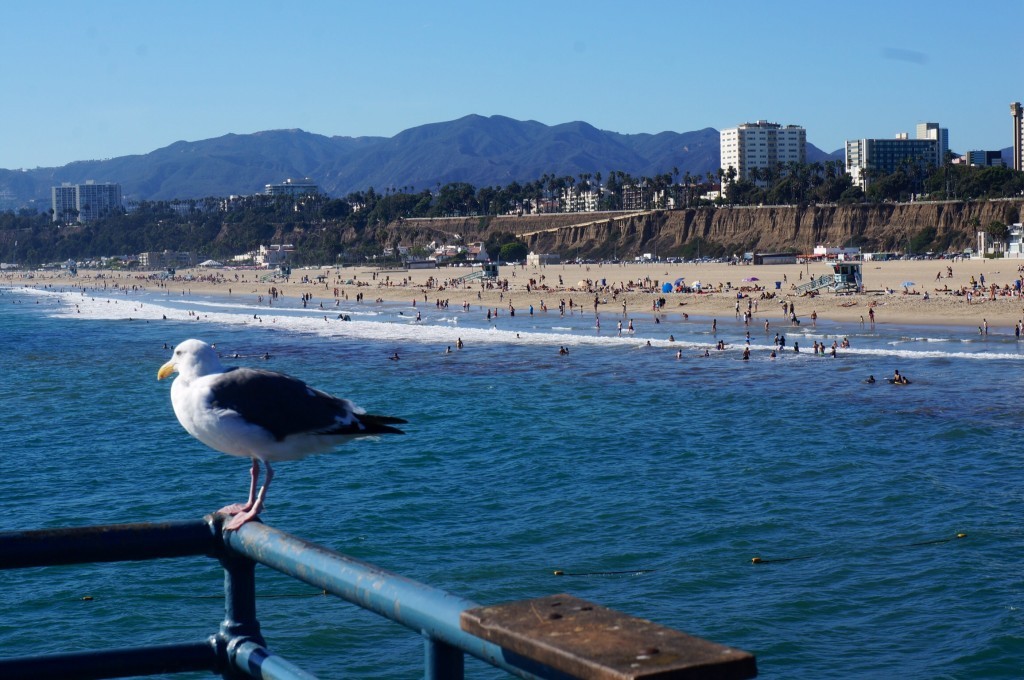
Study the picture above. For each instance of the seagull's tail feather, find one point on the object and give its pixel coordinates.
(382, 424)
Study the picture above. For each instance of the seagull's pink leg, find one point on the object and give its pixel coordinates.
(254, 474)
(246, 515)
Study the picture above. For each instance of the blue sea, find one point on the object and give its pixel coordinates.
(651, 481)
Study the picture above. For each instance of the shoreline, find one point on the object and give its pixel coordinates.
(637, 285)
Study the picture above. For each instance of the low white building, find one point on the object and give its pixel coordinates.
(1014, 241)
(542, 259)
(836, 253)
(293, 187)
(167, 259)
(478, 252)
(444, 252)
(403, 252)
(273, 255)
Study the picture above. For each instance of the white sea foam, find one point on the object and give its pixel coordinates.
(395, 323)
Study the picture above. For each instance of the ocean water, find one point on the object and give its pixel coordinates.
(617, 457)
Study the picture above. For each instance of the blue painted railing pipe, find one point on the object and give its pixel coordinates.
(237, 649)
(114, 663)
(432, 611)
(256, 662)
(108, 543)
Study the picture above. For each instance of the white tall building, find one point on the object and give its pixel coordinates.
(62, 200)
(85, 202)
(761, 145)
(940, 135)
(1018, 123)
(575, 200)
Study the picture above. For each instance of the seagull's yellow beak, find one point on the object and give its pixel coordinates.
(166, 370)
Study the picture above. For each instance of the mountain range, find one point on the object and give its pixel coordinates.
(483, 151)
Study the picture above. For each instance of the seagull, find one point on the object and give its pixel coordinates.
(260, 414)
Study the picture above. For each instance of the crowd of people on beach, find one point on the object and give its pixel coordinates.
(627, 296)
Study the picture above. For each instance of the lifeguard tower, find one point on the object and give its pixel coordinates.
(487, 270)
(847, 272)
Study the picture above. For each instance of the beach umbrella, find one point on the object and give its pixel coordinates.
(666, 288)
(751, 278)
(908, 284)
(679, 281)
(582, 284)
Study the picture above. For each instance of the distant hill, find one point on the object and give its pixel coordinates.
(483, 151)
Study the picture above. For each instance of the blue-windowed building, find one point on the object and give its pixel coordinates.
(885, 156)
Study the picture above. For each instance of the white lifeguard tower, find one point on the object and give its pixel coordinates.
(847, 271)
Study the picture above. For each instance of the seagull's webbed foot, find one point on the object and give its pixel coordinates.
(241, 518)
(256, 508)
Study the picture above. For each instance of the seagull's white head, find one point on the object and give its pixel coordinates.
(192, 359)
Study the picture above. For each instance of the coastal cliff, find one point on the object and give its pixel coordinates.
(937, 226)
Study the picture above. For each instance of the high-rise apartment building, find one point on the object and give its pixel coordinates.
(85, 202)
(1018, 121)
(62, 201)
(940, 135)
(761, 145)
(871, 157)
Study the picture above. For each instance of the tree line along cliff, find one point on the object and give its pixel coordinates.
(895, 227)
(322, 238)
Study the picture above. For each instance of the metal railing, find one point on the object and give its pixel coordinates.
(472, 276)
(823, 281)
(528, 647)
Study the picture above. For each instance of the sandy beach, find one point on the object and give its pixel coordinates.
(931, 300)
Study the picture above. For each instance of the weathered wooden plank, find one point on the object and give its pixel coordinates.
(589, 641)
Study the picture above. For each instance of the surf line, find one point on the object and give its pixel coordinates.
(761, 560)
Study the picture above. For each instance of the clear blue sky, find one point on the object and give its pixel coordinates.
(88, 80)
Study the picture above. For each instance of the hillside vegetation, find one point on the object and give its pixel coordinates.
(327, 231)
